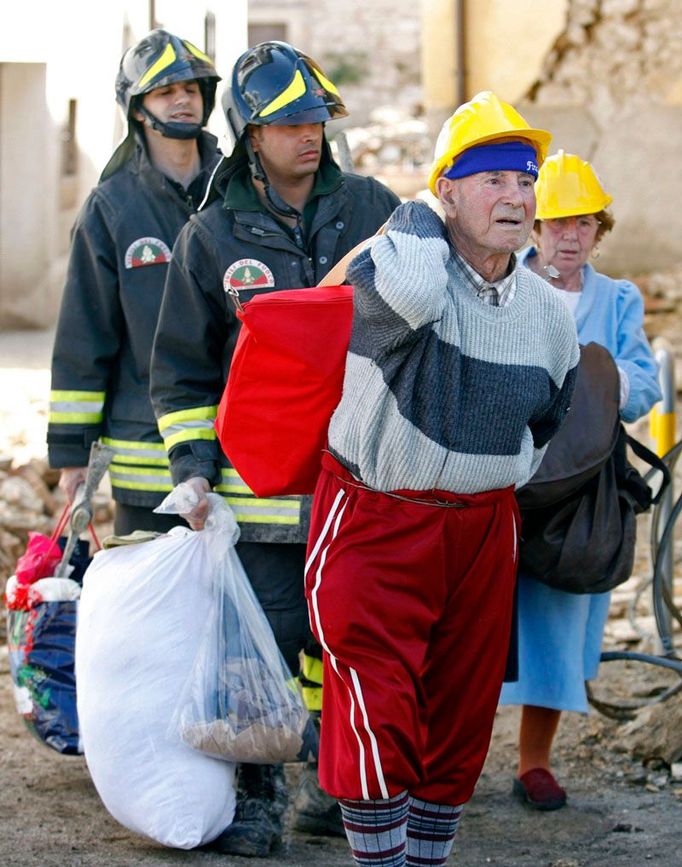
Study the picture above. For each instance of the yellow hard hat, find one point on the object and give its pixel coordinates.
(568, 186)
(485, 118)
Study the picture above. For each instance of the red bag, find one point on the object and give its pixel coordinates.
(42, 554)
(284, 383)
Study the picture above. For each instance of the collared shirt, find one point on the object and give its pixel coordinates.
(497, 294)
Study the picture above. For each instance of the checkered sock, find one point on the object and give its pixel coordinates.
(431, 830)
(376, 830)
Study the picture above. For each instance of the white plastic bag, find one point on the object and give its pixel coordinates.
(240, 701)
(142, 618)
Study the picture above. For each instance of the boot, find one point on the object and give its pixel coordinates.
(316, 812)
(279, 798)
(259, 817)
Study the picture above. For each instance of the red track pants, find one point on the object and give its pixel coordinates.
(410, 595)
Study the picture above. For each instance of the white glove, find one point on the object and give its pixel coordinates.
(189, 500)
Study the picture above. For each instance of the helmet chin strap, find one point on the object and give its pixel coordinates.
(172, 129)
(274, 202)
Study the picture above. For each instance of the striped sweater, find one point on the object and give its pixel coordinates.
(441, 390)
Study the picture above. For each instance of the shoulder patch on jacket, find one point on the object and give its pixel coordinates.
(147, 251)
(248, 274)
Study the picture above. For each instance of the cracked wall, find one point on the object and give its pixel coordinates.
(610, 88)
(614, 56)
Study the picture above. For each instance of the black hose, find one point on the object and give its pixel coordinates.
(661, 661)
(661, 607)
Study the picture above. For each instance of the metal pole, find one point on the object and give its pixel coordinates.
(344, 152)
(663, 432)
(460, 51)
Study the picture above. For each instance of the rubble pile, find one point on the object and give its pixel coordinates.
(662, 289)
(30, 500)
(394, 138)
(395, 147)
(662, 292)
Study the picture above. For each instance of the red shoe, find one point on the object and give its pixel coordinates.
(538, 788)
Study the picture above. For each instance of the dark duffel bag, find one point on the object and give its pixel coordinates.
(579, 510)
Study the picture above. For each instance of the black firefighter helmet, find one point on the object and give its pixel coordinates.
(275, 83)
(160, 58)
(156, 61)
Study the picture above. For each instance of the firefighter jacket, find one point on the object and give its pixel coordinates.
(121, 247)
(244, 249)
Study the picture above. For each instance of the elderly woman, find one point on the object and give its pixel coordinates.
(560, 633)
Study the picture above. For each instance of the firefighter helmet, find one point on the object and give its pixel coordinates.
(160, 59)
(274, 83)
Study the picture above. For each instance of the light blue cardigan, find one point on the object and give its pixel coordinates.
(560, 634)
(611, 312)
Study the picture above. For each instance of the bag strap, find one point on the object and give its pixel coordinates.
(654, 462)
(334, 277)
(56, 533)
(61, 523)
(93, 535)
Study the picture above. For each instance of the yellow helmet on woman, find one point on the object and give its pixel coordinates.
(484, 119)
(568, 186)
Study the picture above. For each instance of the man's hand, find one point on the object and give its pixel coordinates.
(69, 480)
(197, 517)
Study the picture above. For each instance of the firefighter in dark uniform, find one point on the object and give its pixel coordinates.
(121, 247)
(281, 215)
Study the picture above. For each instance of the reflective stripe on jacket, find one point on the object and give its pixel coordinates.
(185, 426)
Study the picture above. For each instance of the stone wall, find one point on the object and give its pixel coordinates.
(614, 56)
(611, 89)
(370, 50)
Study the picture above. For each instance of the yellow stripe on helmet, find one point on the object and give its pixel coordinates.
(295, 90)
(195, 51)
(165, 60)
(325, 82)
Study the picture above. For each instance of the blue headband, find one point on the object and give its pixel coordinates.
(513, 156)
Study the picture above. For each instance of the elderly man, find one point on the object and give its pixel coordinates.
(460, 369)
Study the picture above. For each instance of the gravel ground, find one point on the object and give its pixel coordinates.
(51, 816)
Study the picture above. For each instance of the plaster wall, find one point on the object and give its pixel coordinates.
(24, 121)
(77, 46)
(483, 45)
(371, 49)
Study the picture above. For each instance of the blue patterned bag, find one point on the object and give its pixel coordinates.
(41, 636)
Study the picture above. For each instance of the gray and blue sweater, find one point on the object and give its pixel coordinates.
(442, 391)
